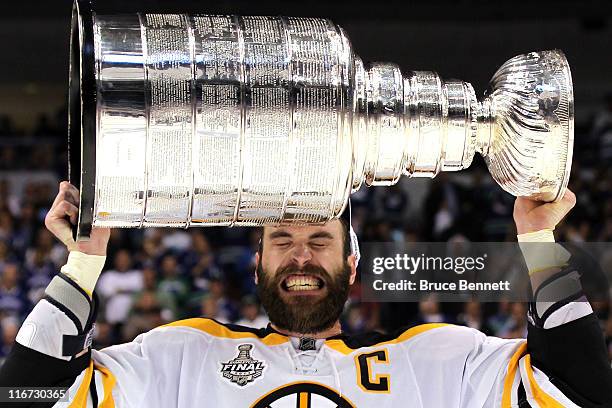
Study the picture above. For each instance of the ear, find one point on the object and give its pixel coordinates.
(256, 263)
(353, 264)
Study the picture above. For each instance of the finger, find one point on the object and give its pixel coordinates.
(65, 236)
(74, 194)
(62, 209)
(526, 204)
(570, 197)
(60, 194)
(68, 192)
(56, 223)
(568, 201)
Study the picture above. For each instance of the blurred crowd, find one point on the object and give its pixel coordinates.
(155, 275)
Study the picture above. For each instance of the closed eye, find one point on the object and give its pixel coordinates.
(319, 243)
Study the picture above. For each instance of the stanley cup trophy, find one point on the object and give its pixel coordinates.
(208, 120)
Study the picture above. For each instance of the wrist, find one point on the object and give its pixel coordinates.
(527, 228)
(541, 252)
(84, 269)
(85, 249)
(543, 235)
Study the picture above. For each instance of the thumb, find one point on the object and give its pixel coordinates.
(569, 199)
(524, 205)
(562, 207)
(65, 236)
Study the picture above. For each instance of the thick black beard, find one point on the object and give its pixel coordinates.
(302, 315)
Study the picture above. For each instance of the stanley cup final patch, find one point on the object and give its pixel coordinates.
(243, 369)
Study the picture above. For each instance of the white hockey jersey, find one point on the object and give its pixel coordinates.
(201, 363)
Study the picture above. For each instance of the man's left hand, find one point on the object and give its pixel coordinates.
(531, 216)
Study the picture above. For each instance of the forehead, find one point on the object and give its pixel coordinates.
(333, 228)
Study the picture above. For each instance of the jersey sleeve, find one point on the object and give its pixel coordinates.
(53, 349)
(117, 376)
(563, 366)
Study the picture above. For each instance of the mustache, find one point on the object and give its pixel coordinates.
(310, 270)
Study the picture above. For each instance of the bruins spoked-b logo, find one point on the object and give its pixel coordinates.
(243, 369)
(303, 395)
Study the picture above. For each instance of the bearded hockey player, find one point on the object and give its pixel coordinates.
(302, 359)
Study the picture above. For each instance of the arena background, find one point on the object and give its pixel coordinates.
(157, 275)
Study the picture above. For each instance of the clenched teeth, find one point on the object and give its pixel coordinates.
(294, 283)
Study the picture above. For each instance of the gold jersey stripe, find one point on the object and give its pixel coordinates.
(340, 346)
(541, 397)
(218, 330)
(511, 373)
(304, 403)
(108, 383)
(80, 398)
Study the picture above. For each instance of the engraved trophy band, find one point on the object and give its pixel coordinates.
(183, 120)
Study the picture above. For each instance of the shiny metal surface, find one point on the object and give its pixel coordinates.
(532, 125)
(229, 120)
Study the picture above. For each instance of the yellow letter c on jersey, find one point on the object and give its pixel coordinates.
(378, 384)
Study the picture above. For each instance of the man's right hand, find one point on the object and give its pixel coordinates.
(66, 203)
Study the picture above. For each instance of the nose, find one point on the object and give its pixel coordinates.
(301, 255)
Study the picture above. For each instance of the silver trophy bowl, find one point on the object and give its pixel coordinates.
(215, 120)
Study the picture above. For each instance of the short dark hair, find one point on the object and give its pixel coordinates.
(346, 235)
